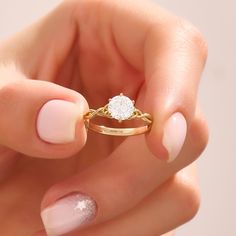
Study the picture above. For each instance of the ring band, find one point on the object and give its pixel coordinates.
(120, 108)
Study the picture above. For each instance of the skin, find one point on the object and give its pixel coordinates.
(143, 51)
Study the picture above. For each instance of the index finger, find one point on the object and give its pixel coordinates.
(171, 53)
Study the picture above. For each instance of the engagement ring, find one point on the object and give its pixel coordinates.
(120, 108)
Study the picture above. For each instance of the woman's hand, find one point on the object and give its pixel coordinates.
(113, 186)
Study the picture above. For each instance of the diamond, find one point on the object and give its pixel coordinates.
(121, 107)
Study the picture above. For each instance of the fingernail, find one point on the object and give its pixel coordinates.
(68, 214)
(57, 121)
(175, 131)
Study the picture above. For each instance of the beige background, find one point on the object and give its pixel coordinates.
(216, 19)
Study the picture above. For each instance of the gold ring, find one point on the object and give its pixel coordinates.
(120, 108)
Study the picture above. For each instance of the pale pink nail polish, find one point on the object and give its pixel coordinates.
(57, 120)
(175, 131)
(68, 214)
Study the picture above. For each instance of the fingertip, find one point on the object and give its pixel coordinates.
(42, 119)
(60, 127)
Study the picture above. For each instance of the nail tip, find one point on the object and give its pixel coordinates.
(174, 135)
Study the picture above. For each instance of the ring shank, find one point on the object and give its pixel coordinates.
(117, 131)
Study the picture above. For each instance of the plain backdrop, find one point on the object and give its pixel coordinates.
(216, 19)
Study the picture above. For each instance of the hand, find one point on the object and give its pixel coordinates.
(100, 48)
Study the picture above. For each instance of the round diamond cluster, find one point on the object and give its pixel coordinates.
(121, 107)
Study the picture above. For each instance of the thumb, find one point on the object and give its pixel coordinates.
(39, 118)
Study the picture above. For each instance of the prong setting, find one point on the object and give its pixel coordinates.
(121, 107)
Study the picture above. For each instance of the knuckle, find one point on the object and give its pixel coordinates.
(191, 36)
(187, 196)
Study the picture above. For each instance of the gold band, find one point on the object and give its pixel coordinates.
(103, 112)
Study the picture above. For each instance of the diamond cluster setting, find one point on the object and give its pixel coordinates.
(121, 107)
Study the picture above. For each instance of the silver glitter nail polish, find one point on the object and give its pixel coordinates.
(68, 213)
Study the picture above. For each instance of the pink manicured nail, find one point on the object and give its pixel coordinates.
(68, 214)
(175, 131)
(57, 120)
